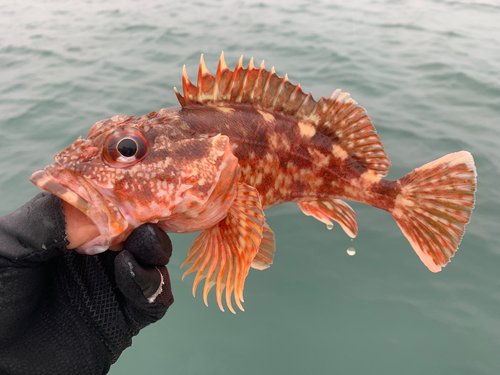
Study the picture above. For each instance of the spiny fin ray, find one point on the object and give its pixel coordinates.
(338, 117)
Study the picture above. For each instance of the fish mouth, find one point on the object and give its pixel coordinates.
(45, 180)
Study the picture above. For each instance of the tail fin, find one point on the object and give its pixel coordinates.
(435, 204)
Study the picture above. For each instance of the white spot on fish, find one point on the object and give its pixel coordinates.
(319, 158)
(371, 177)
(339, 152)
(267, 116)
(258, 179)
(397, 212)
(286, 144)
(273, 138)
(306, 130)
(225, 109)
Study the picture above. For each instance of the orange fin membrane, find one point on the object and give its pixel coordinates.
(335, 209)
(435, 204)
(338, 117)
(223, 253)
(265, 255)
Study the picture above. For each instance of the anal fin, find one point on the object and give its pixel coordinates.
(336, 209)
(265, 255)
(223, 253)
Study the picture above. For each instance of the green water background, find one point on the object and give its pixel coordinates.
(427, 71)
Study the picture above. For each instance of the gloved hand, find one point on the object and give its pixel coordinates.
(67, 313)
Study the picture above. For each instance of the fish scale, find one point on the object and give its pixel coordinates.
(240, 142)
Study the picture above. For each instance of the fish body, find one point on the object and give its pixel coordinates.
(285, 160)
(240, 142)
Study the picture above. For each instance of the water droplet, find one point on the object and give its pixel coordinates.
(351, 251)
(329, 226)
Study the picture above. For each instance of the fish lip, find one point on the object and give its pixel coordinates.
(44, 180)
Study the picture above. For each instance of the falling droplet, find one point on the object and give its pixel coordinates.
(351, 251)
(329, 226)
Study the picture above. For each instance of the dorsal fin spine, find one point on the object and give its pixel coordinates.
(179, 97)
(316, 112)
(279, 91)
(202, 72)
(243, 85)
(222, 67)
(265, 90)
(255, 75)
(258, 81)
(221, 71)
(234, 79)
(289, 108)
(205, 86)
(216, 94)
(338, 117)
(185, 83)
(250, 82)
(302, 109)
(250, 65)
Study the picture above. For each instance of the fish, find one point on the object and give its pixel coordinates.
(240, 142)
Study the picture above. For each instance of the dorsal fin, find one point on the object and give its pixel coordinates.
(338, 117)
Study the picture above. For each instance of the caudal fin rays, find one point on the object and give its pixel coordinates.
(435, 204)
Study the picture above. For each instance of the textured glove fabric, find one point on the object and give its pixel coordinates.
(66, 313)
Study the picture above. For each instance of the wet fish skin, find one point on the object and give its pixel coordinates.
(243, 141)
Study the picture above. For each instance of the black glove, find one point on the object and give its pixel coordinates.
(67, 313)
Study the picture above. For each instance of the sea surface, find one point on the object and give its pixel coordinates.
(428, 73)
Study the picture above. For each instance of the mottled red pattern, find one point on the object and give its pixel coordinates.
(243, 141)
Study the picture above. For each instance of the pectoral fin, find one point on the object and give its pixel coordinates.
(265, 255)
(223, 253)
(335, 209)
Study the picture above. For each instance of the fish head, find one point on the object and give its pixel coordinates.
(128, 172)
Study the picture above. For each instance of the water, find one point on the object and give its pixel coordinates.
(428, 74)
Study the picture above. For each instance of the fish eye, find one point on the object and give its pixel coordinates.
(125, 147)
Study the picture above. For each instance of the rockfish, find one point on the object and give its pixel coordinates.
(241, 142)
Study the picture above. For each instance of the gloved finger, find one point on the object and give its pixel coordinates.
(136, 282)
(146, 289)
(149, 245)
